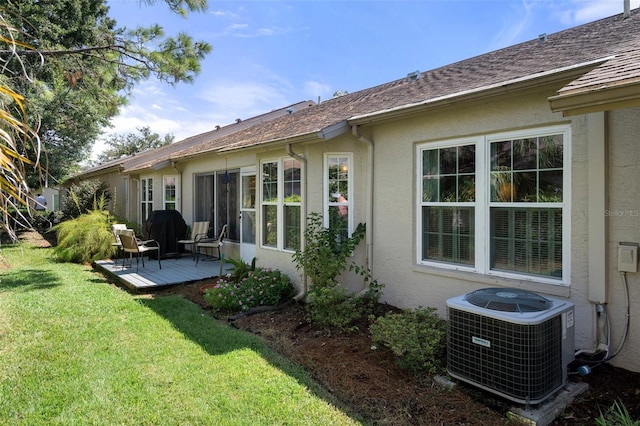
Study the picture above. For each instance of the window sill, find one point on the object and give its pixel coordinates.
(559, 289)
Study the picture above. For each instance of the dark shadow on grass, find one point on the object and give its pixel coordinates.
(217, 338)
(28, 280)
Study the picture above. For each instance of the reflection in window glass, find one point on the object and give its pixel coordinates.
(448, 226)
(339, 176)
(170, 193)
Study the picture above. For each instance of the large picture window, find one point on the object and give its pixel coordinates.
(281, 199)
(497, 204)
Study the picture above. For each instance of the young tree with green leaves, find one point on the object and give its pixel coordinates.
(133, 143)
(83, 66)
(65, 70)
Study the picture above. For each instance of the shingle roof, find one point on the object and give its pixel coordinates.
(624, 68)
(592, 42)
(148, 158)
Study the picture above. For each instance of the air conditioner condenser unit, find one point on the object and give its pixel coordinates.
(511, 342)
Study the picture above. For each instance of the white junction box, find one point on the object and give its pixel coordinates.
(627, 258)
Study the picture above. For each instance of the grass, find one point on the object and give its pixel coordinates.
(76, 350)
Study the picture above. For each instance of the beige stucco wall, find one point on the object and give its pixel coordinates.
(313, 170)
(622, 216)
(411, 285)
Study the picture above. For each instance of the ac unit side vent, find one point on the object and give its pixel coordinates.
(521, 362)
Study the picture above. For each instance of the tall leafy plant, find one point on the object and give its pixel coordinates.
(324, 258)
(325, 254)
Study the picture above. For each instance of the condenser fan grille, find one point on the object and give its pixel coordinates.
(521, 362)
(508, 300)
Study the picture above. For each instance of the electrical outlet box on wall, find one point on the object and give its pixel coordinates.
(627, 258)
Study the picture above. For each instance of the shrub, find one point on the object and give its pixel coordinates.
(262, 287)
(324, 258)
(325, 253)
(417, 338)
(85, 238)
(332, 307)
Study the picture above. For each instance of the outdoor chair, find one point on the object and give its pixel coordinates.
(212, 244)
(199, 230)
(131, 245)
(116, 228)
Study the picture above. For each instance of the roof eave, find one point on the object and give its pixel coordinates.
(597, 99)
(559, 75)
(99, 171)
(326, 133)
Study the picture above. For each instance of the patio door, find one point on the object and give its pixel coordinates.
(248, 214)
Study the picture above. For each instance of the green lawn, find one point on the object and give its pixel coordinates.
(75, 351)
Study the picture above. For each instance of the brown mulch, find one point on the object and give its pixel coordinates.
(367, 379)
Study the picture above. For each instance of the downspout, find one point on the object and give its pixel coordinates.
(303, 220)
(369, 201)
(137, 199)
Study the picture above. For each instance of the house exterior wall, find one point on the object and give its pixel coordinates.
(622, 217)
(118, 185)
(395, 219)
(313, 172)
(395, 222)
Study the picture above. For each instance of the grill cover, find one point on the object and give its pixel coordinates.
(166, 227)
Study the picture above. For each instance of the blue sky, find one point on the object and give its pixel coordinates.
(270, 54)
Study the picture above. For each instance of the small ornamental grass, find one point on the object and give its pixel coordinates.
(261, 287)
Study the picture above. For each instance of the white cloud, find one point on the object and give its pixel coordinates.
(230, 99)
(315, 89)
(238, 26)
(577, 12)
(224, 14)
(516, 23)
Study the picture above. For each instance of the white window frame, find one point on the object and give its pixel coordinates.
(483, 203)
(144, 201)
(328, 201)
(176, 202)
(280, 203)
(475, 204)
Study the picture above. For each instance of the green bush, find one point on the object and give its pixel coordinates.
(416, 337)
(332, 307)
(85, 238)
(262, 287)
(325, 253)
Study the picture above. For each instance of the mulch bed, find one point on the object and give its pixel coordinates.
(369, 381)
